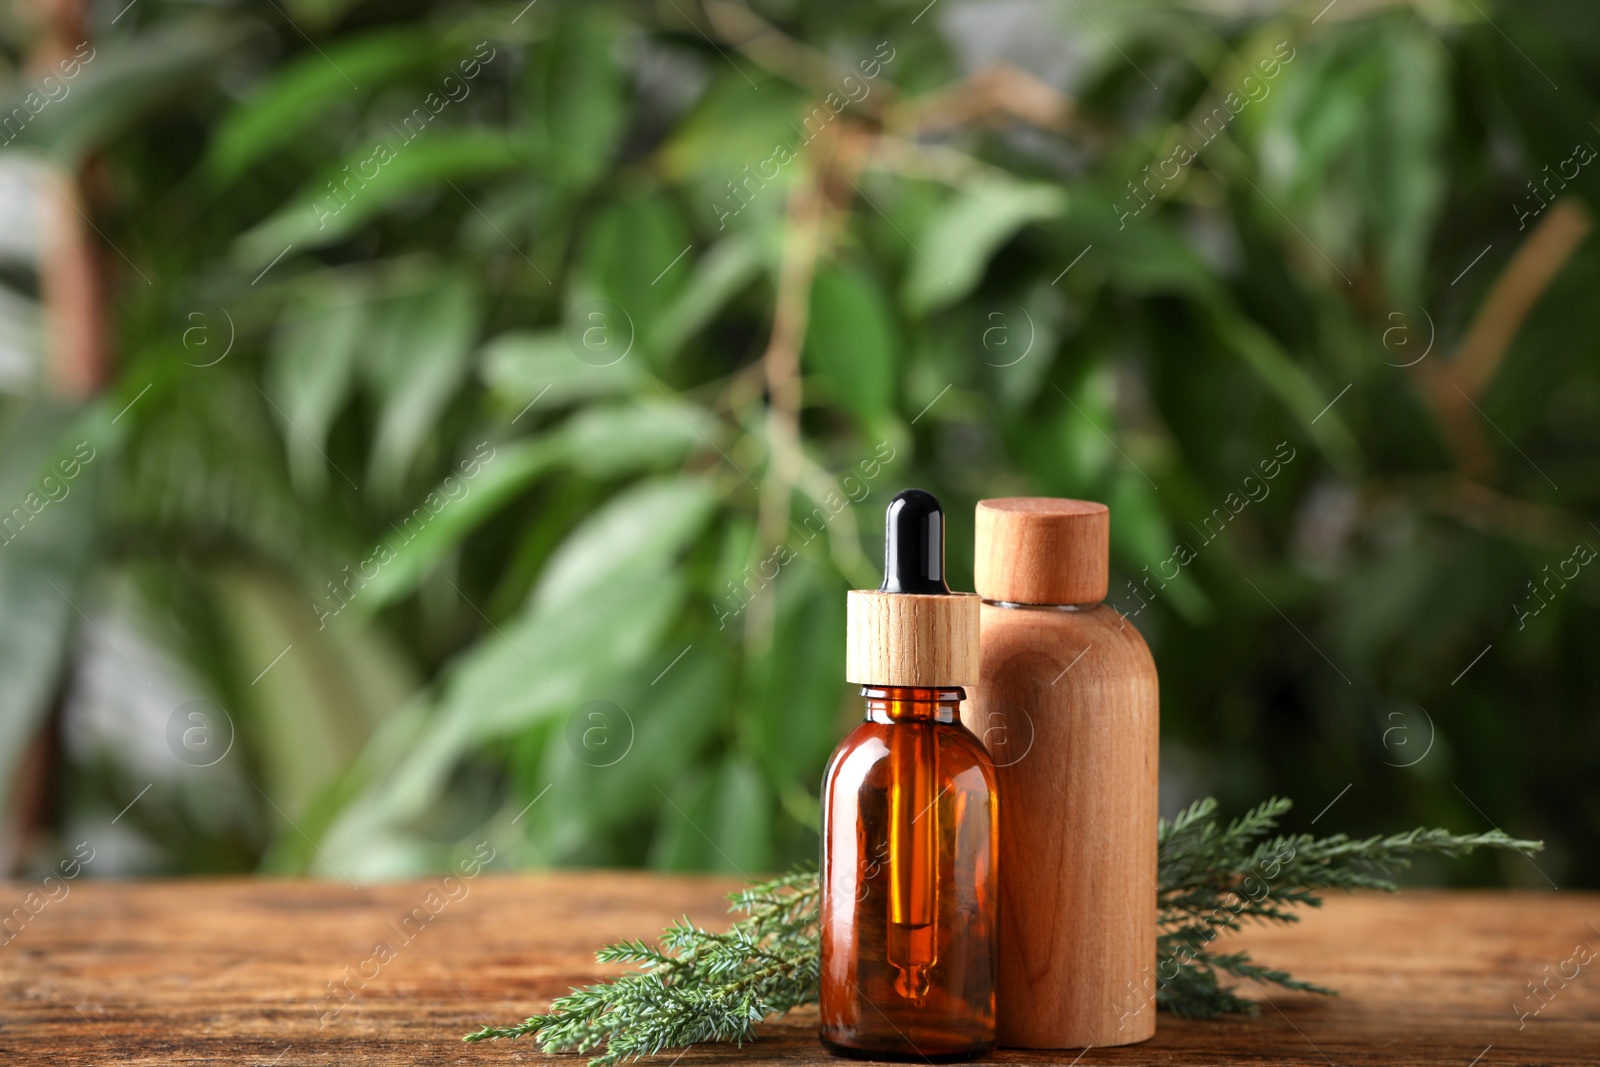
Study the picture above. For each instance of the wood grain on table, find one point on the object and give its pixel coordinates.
(279, 974)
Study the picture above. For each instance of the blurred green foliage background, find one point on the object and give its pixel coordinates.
(475, 413)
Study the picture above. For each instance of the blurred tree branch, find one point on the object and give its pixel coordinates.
(808, 218)
(781, 54)
(76, 363)
(1453, 387)
(1480, 507)
(993, 95)
(70, 272)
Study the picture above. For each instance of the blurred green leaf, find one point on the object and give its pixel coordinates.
(46, 532)
(730, 128)
(417, 353)
(314, 710)
(954, 250)
(605, 442)
(741, 822)
(311, 371)
(668, 722)
(536, 669)
(317, 13)
(636, 532)
(798, 693)
(1293, 387)
(372, 180)
(850, 341)
(1024, 341)
(719, 821)
(499, 479)
(102, 89)
(628, 252)
(300, 95)
(540, 368)
(1143, 534)
(579, 92)
(599, 443)
(730, 265)
(1408, 155)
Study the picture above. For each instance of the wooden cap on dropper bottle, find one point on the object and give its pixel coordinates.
(912, 630)
(1042, 550)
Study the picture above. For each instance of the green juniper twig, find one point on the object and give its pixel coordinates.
(699, 986)
(1213, 878)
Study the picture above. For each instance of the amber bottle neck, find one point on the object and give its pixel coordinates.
(903, 703)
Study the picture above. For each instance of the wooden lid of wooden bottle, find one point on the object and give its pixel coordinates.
(915, 639)
(1042, 550)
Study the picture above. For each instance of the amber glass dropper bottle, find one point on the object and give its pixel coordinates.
(909, 812)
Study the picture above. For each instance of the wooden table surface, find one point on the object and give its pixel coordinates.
(245, 972)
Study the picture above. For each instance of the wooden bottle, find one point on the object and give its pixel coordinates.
(1068, 709)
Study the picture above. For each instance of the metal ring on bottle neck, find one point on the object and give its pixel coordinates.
(1043, 607)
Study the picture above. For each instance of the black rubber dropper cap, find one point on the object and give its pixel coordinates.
(913, 544)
